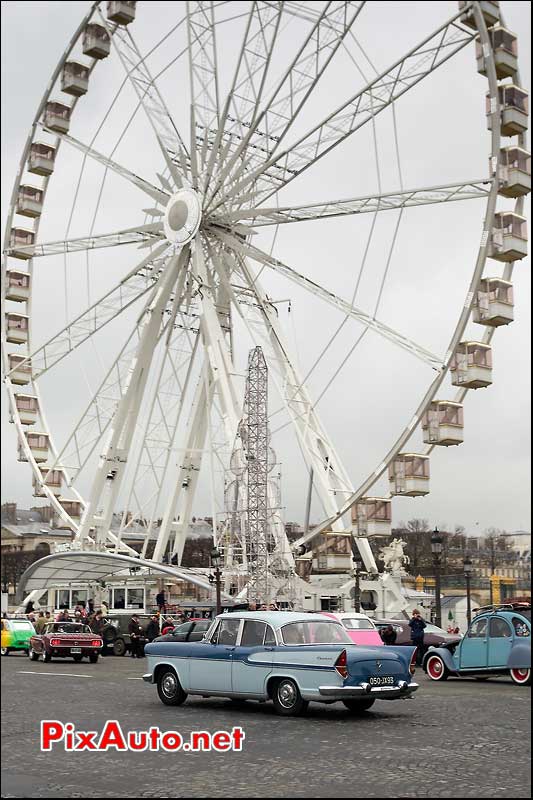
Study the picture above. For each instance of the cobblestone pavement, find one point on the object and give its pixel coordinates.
(463, 738)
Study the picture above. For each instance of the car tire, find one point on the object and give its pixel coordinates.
(522, 677)
(47, 658)
(77, 658)
(93, 657)
(287, 699)
(169, 688)
(109, 634)
(119, 647)
(358, 706)
(436, 669)
(5, 651)
(33, 655)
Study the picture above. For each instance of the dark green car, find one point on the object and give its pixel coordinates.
(16, 634)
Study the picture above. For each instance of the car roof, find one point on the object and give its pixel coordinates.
(348, 615)
(277, 618)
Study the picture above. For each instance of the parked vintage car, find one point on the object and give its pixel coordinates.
(359, 627)
(16, 635)
(65, 640)
(287, 657)
(433, 635)
(498, 642)
(191, 631)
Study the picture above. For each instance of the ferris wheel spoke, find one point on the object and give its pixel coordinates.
(130, 289)
(140, 234)
(203, 74)
(376, 96)
(466, 190)
(153, 467)
(159, 195)
(170, 142)
(337, 302)
(107, 484)
(292, 91)
(253, 62)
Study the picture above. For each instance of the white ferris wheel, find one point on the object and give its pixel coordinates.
(166, 279)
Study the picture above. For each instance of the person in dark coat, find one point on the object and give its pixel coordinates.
(160, 600)
(97, 623)
(152, 629)
(417, 625)
(388, 635)
(136, 633)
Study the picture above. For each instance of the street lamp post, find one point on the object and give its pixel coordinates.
(215, 560)
(358, 566)
(436, 549)
(468, 567)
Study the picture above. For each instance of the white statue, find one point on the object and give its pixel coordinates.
(394, 558)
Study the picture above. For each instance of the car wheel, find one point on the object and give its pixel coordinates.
(358, 706)
(77, 658)
(522, 677)
(169, 688)
(119, 647)
(287, 698)
(5, 651)
(436, 668)
(33, 655)
(47, 658)
(93, 658)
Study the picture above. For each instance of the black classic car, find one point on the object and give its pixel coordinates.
(191, 631)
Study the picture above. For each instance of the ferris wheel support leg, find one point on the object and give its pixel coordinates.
(111, 469)
(179, 507)
(317, 448)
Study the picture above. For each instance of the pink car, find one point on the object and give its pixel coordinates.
(359, 627)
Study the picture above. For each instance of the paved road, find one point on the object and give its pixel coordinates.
(462, 738)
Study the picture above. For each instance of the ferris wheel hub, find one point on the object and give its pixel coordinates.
(182, 216)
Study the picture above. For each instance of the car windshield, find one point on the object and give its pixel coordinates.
(354, 624)
(22, 624)
(70, 627)
(435, 629)
(312, 632)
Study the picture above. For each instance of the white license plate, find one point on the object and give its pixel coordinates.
(381, 680)
(75, 649)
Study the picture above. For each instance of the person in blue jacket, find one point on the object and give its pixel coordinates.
(417, 625)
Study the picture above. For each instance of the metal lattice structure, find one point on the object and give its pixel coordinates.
(167, 408)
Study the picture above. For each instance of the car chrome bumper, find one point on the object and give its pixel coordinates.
(149, 678)
(403, 689)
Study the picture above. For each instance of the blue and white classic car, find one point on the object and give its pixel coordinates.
(498, 642)
(283, 656)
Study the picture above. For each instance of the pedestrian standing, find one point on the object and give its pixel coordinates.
(160, 600)
(417, 625)
(40, 623)
(152, 629)
(136, 637)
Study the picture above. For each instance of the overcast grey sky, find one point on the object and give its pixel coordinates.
(442, 138)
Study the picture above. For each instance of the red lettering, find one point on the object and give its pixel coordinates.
(137, 740)
(112, 736)
(86, 740)
(238, 738)
(171, 740)
(51, 731)
(201, 738)
(221, 741)
(154, 738)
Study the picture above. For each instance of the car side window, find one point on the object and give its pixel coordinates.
(499, 628)
(253, 633)
(227, 633)
(478, 629)
(270, 638)
(520, 627)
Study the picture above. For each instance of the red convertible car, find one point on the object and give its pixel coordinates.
(65, 640)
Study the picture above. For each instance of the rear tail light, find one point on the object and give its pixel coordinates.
(96, 642)
(341, 664)
(412, 665)
(55, 642)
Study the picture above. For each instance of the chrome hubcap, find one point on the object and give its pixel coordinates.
(287, 695)
(169, 685)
